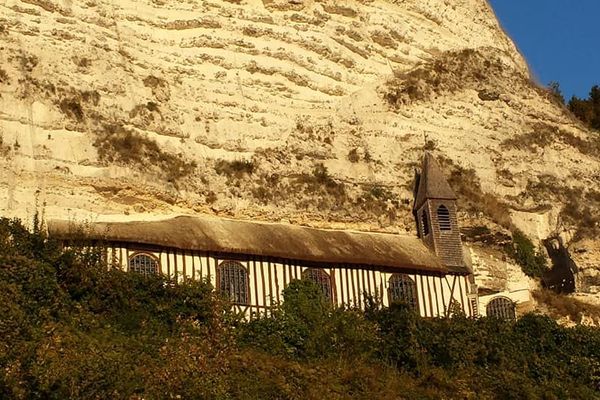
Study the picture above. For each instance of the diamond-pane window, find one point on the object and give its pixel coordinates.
(321, 278)
(444, 218)
(144, 264)
(501, 307)
(233, 282)
(402, 289)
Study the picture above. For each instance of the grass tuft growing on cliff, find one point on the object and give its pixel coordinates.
(119, 145)
(467, 186)
(448, 73)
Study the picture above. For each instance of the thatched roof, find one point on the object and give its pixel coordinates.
(292, 242)
(432, 183)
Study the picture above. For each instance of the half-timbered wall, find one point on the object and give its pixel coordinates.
(268, 278)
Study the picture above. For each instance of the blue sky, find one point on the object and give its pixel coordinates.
(559, 38)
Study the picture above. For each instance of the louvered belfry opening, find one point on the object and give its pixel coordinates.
(233, 282)
(436, 208)
(321, 278)
(501, 307)
(402, 289)
(143, 264)
(444, 218)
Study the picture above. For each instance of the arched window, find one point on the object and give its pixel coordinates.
(425, 223)
(444, 218)
(144, 264)
(321, 278)
(402, 289)
(233, 282)
(501, 307)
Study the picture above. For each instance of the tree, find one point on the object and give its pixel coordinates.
(587, 110)
(554, 88)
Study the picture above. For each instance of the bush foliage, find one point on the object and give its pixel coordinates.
(72, 327)
(587, 110)
(523, 251)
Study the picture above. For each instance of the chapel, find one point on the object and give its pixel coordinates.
(252, 262)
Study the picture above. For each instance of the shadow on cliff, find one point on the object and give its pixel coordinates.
(561, 277)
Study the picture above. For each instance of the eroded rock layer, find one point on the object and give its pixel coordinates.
(316, 112)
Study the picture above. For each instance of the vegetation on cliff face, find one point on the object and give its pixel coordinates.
(70, 327)
(449, 72)
(122, 146)
(523, 251)
(587, 110)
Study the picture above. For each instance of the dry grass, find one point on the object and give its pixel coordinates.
(145, 110)
(28, 62)
(82, 62)
(353, 156)
(484, 235)
(543, 135)
(566, 306)
(122, 146)
(235, 168)
(320, 181)
(152, 81)
(73, 105)
(4, 149)
(467, 186)
(340, 10)
(4, 77)
(72, 108)
(448, 73)
(581, 209)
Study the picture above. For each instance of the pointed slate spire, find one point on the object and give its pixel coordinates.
(432, 183)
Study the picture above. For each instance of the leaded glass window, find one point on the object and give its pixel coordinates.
(233, 282)
(501, 307)
(144, 264)
(444, 218)
(402, 289)
(321, 278)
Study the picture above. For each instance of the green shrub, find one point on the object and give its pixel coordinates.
(308, 326)
(70, 327)
(522, 250)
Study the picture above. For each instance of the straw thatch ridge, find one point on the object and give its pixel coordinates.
(285, 241)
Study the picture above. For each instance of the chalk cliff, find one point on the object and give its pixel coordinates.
(313, 112)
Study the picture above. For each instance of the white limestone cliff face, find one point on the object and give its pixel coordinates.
(314, 112)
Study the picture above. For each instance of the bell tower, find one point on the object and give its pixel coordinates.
(435, 211)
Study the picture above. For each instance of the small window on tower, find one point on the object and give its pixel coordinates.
(425, 223)
(444, 218)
